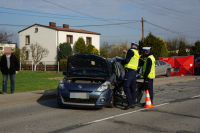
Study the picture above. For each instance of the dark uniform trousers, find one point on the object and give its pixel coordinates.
(130, 86)
(149, 87)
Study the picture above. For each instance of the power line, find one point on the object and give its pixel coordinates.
(84, 13)
(177, 16)
(171, 9)
(175, 32)
(73, 26)
(60, 14)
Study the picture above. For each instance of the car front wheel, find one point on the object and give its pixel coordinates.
(168, 73)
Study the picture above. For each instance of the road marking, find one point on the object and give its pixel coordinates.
(195, 96)
(122, 114)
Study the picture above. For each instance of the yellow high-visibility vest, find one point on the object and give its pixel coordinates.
(152, 71)
(133, 63)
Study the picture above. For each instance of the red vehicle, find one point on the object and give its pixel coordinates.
(197, 66)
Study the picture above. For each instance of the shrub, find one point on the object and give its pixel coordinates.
(90, 48)
(105, 55)
(80, 46)
(95, 51)
(63, 64)
(65, 50)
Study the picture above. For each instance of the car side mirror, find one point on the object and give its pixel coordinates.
(64, 72)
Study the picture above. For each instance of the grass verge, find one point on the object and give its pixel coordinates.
(32, 81)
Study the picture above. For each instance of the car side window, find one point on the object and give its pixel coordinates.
(157, 63)
(162, 63)
(198, 60)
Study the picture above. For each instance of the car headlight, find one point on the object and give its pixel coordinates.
(61, 84)
(104, 86)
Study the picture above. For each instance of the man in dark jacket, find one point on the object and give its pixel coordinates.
(130, 65)
(9, 66)
(149, 71)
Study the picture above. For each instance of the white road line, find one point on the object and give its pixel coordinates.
(122, 114)
(195, 96)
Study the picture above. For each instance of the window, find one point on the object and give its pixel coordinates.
(157, 64)
(70, 39)
(1, 48)
(27, 40)
(162, 63)
(27, 57)
(36, 29)
(88, 40)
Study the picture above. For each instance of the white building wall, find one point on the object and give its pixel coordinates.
(45, 36)
(63, 38)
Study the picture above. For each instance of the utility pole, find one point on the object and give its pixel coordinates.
(142, 37)
(142, 31)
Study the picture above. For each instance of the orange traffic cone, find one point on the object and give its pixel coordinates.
(148, 101)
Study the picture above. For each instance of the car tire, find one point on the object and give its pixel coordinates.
(168, 73)
(112, 102)
(198, 71)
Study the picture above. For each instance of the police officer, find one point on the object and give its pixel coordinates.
(130, 65)
(149, 71)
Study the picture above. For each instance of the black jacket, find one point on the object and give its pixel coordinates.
(148, 66)
(13, 65)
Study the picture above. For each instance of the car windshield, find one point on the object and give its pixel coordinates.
(88, 73)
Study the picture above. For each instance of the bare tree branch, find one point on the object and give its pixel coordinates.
(38, 53)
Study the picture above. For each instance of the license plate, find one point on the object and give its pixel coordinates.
(79, 95)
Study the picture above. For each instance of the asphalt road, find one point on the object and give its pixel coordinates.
(176, 110)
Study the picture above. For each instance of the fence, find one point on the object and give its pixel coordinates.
(41, 66)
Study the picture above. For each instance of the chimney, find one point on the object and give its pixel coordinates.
(66, 26)
(52, 24)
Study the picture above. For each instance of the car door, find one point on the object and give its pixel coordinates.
(162, 67)
(157, 68)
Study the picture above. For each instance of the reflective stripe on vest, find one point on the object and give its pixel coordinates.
(133, 63)
(152, 71)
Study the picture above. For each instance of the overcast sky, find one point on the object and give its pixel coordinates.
(115, 20)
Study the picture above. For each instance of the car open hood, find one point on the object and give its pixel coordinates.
(87, 61)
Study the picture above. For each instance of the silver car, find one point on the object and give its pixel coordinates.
(161, 68)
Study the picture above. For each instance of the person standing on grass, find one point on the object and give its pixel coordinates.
(9, 66)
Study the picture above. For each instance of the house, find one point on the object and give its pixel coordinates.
(2, 45)
(51, 36)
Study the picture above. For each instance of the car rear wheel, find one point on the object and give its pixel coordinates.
(168, 73)
(198, 71)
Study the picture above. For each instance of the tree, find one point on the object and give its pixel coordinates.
(104, 48)
(95, 51)
(38, 53)
(164, 50)
(7, 36)
(196, 48)
(105, 55)
(16, 52)
(170, 54)
(80, 46)
(116, 49)
(23, 51)
(182, 49)
(90, 48)
(173, 44)
(157, 45)
(65, 50)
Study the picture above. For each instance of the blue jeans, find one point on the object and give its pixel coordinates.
(12, 82)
